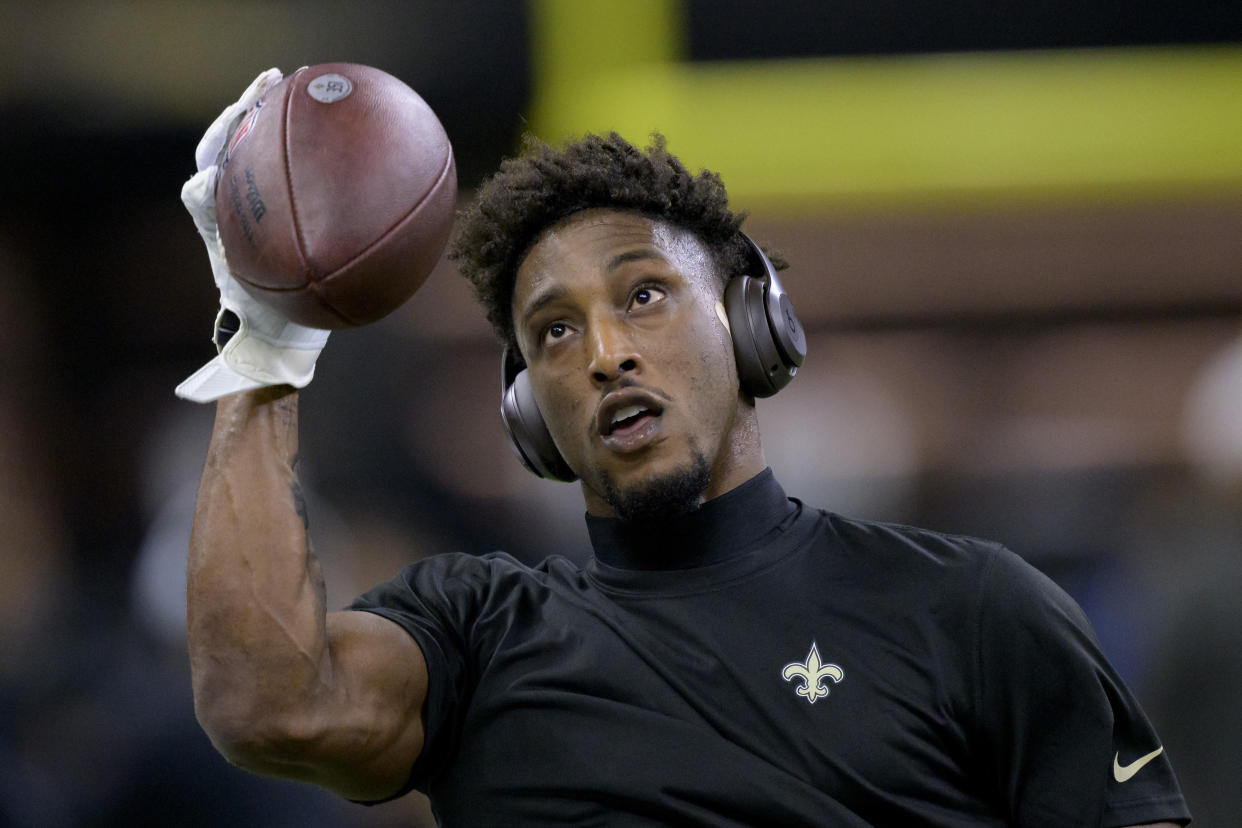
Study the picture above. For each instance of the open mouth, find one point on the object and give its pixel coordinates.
(629, 419)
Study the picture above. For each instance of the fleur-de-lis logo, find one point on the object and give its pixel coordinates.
(812, 674)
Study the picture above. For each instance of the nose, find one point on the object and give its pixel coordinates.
(612, 353)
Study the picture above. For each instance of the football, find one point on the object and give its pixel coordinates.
(336, 196)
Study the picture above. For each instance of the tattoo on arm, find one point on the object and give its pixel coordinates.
(313, 569)
(299, 499)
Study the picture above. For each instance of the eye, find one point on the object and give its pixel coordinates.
(555, 331)
(646, 296)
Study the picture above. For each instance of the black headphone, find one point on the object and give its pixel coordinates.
(769, 345)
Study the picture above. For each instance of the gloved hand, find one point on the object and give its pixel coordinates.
(256, 345)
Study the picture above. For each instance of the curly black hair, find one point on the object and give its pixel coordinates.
(543, 185)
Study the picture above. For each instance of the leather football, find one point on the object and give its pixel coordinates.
(336, 196)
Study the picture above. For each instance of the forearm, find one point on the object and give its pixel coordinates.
(256, 610)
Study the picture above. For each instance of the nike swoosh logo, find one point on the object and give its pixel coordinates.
(1123, 773)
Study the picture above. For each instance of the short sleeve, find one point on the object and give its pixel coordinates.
(1064, 740)
(436, 601)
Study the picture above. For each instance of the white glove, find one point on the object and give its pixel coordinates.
(256, 345)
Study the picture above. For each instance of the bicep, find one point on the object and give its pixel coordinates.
(373, 728)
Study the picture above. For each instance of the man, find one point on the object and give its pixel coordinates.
(729, 656)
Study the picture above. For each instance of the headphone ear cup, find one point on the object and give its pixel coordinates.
(787, 334)
(527, 432)
(753, 348)
(768, 341)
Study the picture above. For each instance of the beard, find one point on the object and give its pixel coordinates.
(660, 498)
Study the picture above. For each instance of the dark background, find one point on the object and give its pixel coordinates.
(1085, 411)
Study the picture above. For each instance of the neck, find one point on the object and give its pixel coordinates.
(741, 456)
(720, 529)
(738, 459)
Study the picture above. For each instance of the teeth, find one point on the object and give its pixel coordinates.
(626, 413)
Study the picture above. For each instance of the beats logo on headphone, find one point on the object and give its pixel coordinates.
(768, 340)
(768, 343)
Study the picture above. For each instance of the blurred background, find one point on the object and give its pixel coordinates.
(1015, 232)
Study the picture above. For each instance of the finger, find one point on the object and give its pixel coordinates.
(259, 86)
(217, 135)
(198, 196)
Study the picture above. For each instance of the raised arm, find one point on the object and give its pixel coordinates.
(281, 686)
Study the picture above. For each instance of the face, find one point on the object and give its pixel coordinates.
(619, 320)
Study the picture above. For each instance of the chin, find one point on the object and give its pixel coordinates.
(658, 495)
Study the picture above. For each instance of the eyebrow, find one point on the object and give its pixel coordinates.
(545, 298)
(632, 256)
(556, 292)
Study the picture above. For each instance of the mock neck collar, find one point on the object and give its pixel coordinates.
(720, 529)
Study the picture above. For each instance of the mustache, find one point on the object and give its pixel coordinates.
(627, 382)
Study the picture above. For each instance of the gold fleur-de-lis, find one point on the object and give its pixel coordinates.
(812, 674)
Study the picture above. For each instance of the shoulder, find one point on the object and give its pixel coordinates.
(455, 605)
(895, 545)
(1000, 580)
(458, 581)
(951, 574)
(460, 574)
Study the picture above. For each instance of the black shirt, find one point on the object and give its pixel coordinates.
(758, 662)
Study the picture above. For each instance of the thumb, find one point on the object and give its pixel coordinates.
(199, 197)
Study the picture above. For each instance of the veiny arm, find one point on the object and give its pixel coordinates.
(281, 686)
